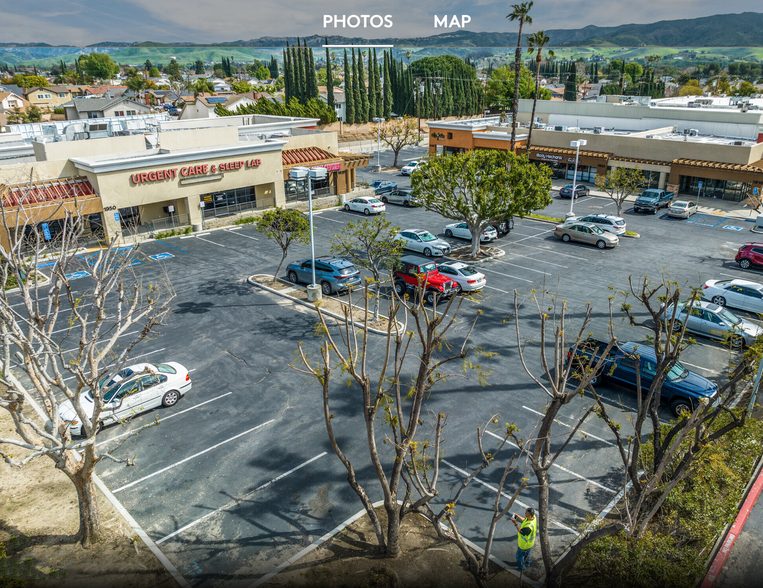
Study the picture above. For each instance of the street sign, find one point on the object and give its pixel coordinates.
(116, 216)
(699, 184)
(171, 208)
(46, 231)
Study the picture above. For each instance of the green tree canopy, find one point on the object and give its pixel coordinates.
(262, 73)
(482, 188)
(284, 226)
(500, 87)
(241, 87)
(100, 66)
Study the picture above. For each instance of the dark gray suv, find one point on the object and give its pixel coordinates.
(334, 274)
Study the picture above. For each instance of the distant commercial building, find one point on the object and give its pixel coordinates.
(690, 151)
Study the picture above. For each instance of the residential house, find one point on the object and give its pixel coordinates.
(49, 97)
(339, 101)
(203, 105)
(10, 102)
(81, 108)
(106, 91)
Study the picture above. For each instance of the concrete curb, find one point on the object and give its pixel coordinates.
(253, 282)
(44, 282)
(491, 258)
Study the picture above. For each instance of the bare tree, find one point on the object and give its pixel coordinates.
(398, 133)
(383, 389)
(51, 365)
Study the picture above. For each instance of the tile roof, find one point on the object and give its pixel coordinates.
(36, 192)
(305, 155)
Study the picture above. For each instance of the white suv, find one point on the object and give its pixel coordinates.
(606, 222)
(410, 167)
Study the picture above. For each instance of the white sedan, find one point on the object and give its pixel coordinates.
(465, 276)
(135, 389)
(682, 209)
(735, 293)
(461, 230)
(410, 167)
(365, 205)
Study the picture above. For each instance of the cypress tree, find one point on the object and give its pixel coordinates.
(299, 72)
(371, 89)
(287, 75)
(387, 88)
(595, 73)
(329, 78)
(313, 88)
(356, 89)
(362, 89)
(378, 87)
(349, 97)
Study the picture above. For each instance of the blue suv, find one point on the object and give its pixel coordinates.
(334, 274)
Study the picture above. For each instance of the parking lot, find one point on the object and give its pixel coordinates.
(239, 475)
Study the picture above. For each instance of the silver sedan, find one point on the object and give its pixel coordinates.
(715, 322)
(682, 209)
(586, 233)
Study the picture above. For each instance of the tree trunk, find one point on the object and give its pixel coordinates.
(542, 535)
(275, 275)
(89, 520)
(535, 101)
(393, 529)
(515, 103)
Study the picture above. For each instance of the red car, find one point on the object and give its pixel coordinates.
(750, 254)
(414, 273)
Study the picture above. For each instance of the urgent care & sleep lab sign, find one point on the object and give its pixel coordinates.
(192, 170)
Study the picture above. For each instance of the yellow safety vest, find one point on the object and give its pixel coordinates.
(527, 541)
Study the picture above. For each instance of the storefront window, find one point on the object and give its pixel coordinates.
(298, 189)
(586, 173)
(651, 179)
(712, 188)
(227, 202)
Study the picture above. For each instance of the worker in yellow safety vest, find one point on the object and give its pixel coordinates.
(527, 529)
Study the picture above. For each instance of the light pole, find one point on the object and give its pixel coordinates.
(378, 122)
(577, 144)
(310, 174)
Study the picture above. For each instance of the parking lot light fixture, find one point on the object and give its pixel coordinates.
(378, 122)
(577, 144)
(309, 174)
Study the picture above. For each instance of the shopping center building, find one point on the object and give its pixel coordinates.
(144, 173)
(703, 152)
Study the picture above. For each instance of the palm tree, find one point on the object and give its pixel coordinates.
(535, 44)
(519, 12)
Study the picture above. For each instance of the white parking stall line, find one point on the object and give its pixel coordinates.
(333, 220)
(120, 336)
(241, 235)
(543, 261)
(484, 269)
(233, 503)
(519, 502)
(195, 455)
(537, 236)
(561, 467)
(131, 357)
(208, 241)
(498, 290)
(529, 269)
(76, 325)
(581, 431)
(536, 247)
(699, 367)
(173, 415)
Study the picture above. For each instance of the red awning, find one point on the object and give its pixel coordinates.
(47, 191)
(306, 155)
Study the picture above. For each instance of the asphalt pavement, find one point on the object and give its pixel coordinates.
(239, 475)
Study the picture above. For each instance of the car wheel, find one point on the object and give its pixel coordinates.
(429, 297)
(566, 238)
(736, 341)
(347, 207)
(427, 252)
(326, 288)
(655, 211)
(448, 233)
(99, 427)
(366, 211)
(400, 288)
(745, 263)
(680, 406)
(595, 380)
(504, 228)
(293, 277)
(719, 300)
(170, 398)
(384, 199)
(601, 244)
(406, 204)
(459, 289)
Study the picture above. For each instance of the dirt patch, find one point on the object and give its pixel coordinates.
(38, 521)
(348, 560)
(328, 303)
(465, 254)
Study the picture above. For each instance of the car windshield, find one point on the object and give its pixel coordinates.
(468, 271)
(680, 205)
(596, 230)
(427, 267)
(121, 376)
(568, 187)
(164, 368)
(109, 392)
(373, 201)
(427, 237)
(729, 317)
(677, 372)
(343, 271)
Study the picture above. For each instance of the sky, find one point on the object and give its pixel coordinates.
(85, 22)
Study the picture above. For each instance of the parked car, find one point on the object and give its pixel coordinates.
(682, 209)
(735, 293)
(652, 200)
(134, 390)
(467, 278)
(715, 322)
(504, 226)
(334, 274)
(423, 242)
(586, 233)
(580, 190)
(365, 205)
(382, 186)
(750, 254)
(410, 167)
(404, 197)
(606, 222)
(682, 389)
(414, 274)
(461, 230)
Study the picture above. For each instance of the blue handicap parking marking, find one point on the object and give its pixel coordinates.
(732, 228)
(707, 220)
(160, 256)
(77, 275)
(121, 252)
(46, 264)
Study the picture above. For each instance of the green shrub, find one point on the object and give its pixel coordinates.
(59, 110)
(246, 220)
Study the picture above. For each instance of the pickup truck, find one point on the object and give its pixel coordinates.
(682, 389)
(414, 273)
(652, 200)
